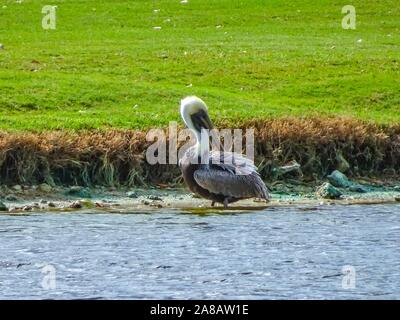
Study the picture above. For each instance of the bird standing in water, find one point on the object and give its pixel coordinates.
(225, 177)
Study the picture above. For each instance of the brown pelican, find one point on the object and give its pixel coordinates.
(217, 178)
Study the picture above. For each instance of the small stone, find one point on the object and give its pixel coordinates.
(132, 194)
(27, 208)
(397, 199)
(1, 46)
(338, 179)
(75, 205)
(358, 188)
(51, 205)
(44, 187)
(78, 191)
(155, 198)
(74, 189)
(3, 207)
(292, 166)
(328, 191)
(102, 205)
(42, 201)
(145, 202)
(17, 187)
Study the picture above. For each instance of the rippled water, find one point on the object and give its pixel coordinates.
(295, 252)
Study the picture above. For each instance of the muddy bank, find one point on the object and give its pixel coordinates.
(22, 200)
(116, 158)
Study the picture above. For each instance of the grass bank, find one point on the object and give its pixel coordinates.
(117, 157)
(106, 66)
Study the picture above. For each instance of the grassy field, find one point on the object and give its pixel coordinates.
(107, 66)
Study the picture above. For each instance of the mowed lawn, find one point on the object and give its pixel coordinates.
(108, 64)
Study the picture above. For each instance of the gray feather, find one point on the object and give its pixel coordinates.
(231, 175)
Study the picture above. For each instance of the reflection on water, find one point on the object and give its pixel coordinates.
(296, 252)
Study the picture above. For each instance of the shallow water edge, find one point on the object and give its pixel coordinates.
(112, 200)
(282, 252)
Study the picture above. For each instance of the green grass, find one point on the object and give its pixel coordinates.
(246, 59)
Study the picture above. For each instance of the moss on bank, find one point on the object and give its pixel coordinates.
(117, 157)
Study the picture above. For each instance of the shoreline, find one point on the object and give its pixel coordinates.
(60, 200)
(306, 159)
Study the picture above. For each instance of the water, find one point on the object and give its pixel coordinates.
(279, 253)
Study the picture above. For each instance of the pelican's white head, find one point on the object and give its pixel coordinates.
(194, 113)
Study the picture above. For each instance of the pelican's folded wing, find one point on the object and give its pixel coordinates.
(232, 162)
(236, 177)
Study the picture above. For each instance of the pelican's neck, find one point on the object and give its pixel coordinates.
(197, 146)
(189, 106)
(201, 148)
(189, 123)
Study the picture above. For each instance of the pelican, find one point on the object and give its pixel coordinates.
(216, 179)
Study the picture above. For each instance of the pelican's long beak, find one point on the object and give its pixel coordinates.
(201, 120)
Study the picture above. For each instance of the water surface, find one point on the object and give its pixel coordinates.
(278, 253)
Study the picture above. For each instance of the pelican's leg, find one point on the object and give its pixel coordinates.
(212, 203)
(226, 201)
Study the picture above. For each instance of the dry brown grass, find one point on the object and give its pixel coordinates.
(87, 158)
(116, 157)
(318, 144)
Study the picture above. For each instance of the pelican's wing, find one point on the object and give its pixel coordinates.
(231, 161)
(231, 175)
